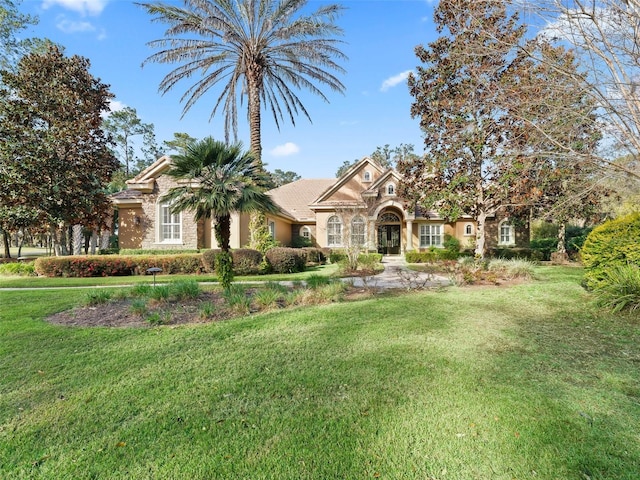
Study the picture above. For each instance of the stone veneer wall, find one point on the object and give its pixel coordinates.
(151, 220)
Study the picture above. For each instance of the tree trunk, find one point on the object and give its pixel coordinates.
(481, 234)
(93, 242)
(77, 239)
(254, 79)
(7, 246)
(222, 231)
(562, 238)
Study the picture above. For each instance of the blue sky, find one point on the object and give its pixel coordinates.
(380, 36)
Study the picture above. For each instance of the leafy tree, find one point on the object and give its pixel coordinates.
(179, 143)
(54, 156)
(123, 125)
(485, 120)
(262, 49)
(280, 177)
(12, 45)
(222, 180)
(346, 165)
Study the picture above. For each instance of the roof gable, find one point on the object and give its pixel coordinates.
(347, 177)
(145, 179)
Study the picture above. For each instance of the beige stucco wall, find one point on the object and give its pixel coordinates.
(130, 232)
(283, 230)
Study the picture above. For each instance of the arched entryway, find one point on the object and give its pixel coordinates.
(388, 232)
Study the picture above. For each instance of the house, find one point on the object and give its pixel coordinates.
(359, 208)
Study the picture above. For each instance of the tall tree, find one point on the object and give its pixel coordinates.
(467, 167)
(280, 177)
(12, 44)
(222, 179)
(262, 49)
(605, 34)
(179, 143)
(54, 156)
(123, 126)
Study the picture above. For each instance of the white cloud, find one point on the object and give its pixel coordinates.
(114, 106)
(285, 150)
(84, 7)
(70, 26)
(395, 80)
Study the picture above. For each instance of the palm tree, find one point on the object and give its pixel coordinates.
(216, 180)
(259, 48)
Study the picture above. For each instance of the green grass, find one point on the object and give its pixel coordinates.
(42, 282)
(531, 381)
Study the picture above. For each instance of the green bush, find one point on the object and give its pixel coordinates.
(619, 288)
(246, 261)
(614, 243)
(507, 253)
(431, 255)
(17, 269)
(337, 256)
(112, 265)
(541, 248)
(141, 251)
(286, 260)
(314, 255)
(208, 258)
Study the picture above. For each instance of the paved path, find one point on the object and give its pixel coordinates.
(396, 274)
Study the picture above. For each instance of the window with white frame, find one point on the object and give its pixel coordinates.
(391, 189)
(358, 231)
(468, 229)
(431, 235)
(507, 234)
(366, 177)
(334, 231)
(170, 230)
(305, 232)
(272, 229)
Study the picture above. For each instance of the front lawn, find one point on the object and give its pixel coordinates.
(527, 381)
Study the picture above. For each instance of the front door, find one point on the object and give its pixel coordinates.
(389, 239)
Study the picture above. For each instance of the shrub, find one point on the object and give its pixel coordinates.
(286, 260)
(314, 255)
(141, 251)
(337, 256)
(17, 269)
(541, 248)
(614, 243)
(432, 255)
(208, 259)
(512, 268)
(507, 253)
(619, 288)
(103, 266)
(246, 261)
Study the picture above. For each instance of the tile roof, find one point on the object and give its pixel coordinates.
(295, 197)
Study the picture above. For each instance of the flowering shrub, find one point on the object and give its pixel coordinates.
(107, 266)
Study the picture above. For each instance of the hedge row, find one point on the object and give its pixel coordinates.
(245, 262)
(106, 266)
(431, 256)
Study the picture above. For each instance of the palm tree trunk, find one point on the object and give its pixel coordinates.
(254, 80)
(222, 231)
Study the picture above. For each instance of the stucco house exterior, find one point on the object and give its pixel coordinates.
(361, 207)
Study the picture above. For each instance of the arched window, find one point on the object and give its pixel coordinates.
(468, 229)
(367, 176)
(391, 189)
(169, 225)
(507, 233)
(305, 232)
(358, 231)
(334, 231)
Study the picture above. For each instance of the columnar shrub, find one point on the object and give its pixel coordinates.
(286, 260)
(614, 243)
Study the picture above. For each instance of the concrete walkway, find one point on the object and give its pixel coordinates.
(396, 274)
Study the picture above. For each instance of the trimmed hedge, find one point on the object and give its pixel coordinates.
(246, 261)
(141, 251)
(286, 260)
(431, 256)
(103, 266)
(614, 243)
(509, 253)
(209, 259)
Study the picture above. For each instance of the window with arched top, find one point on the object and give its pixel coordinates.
(468, 229)
(358, 236)
(334, 231)
(391, 189)
(305, 232)
(506, 233)
(366, 177)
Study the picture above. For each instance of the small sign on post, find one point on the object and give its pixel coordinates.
(154, 270)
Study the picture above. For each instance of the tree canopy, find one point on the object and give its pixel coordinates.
(54, 157)
(264, 50)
